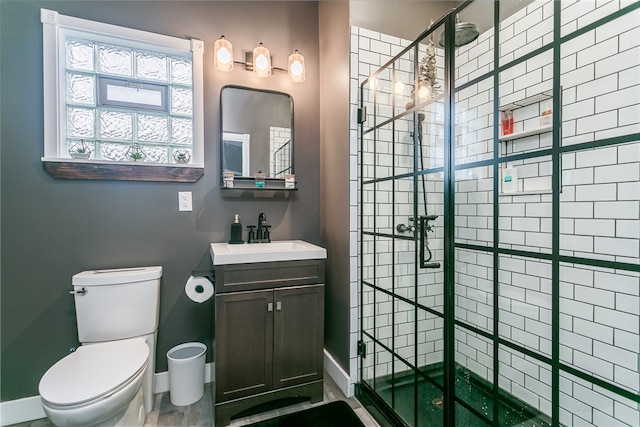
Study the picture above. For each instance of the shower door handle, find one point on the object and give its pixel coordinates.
(422, 231)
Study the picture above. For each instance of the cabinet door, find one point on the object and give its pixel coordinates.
(298, 335)
(244, 343)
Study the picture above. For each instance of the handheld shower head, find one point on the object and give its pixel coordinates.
(466, 32)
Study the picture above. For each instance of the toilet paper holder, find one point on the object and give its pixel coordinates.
(198, 288)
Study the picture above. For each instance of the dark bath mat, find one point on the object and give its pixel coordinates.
(334, 414)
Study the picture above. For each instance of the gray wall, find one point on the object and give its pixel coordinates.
(52, 229)
(334, 193)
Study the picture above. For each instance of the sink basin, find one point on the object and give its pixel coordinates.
(283, 250)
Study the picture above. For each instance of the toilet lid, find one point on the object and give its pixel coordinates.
(92, 371)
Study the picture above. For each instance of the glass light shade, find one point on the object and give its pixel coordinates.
(296, 67)
(223, 55)
(261, 61)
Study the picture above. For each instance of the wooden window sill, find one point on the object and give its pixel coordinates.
(121, 171)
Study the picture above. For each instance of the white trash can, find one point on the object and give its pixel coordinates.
(186, 373)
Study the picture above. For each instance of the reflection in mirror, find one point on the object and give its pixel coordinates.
(257, 132)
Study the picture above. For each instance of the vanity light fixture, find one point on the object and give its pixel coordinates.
(296, 67)
(223, 54)
(258, 61)
(261, 61)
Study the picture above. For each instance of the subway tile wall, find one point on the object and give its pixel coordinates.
(599, 208)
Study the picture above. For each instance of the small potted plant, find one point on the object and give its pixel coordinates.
(181, 156)
(136, 153)
(80, 150)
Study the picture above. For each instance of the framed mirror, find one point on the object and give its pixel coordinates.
(256, 133)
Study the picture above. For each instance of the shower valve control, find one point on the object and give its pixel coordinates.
(406, 228)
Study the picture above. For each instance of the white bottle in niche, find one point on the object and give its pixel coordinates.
(509, 180)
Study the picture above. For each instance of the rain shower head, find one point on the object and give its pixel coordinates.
(466, 32)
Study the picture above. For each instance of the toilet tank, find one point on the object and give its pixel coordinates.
(117, 304)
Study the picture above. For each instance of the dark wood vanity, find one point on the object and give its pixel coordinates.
(268, 335)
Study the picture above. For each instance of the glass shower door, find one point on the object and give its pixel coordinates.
(401, 294)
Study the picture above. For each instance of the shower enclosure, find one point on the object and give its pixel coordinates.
(498, 269)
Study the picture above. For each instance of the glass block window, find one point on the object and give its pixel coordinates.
(121, 91)
(116, 97)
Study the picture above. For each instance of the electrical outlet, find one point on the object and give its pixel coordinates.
(184, 201)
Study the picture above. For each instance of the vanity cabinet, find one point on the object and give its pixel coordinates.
(269, 335)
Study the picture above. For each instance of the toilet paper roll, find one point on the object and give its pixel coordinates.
(198, 289)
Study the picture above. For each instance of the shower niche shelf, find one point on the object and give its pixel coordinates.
(534, 99)
(524, 134)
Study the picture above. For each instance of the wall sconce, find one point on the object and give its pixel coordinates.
(258, 61)
(223, 54)
(296, 67)
(261, 61)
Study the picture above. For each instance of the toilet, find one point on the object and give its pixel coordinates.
(108, 380)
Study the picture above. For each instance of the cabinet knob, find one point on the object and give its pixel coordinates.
(279, 305)
(270, 306)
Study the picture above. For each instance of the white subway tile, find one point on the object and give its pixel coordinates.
(577, 210)
(619, 99)
(616, 355)
(617, 210)
(614, 246)
(596, 87)
(597, 122)
(597, 157)
(577, 309)
(599, 53)
(629, 77)
(626, 414)
(593, 330)
(618, 282)
(628, 228)
(630, 115)
(576, 341)
(597, 192)
(618, 131)
(618, 173)
(577, 176)
(579, 109)
(616, 319)
(618, 62)
(594, 296)
(599, 367)
(595, 227)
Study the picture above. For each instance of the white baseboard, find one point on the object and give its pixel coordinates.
(21, 410)
(30, 408)
(338, 375)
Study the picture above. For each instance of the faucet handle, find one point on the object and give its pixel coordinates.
(265, 234)
(252, 233)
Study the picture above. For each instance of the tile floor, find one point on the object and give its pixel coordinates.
(200, 414)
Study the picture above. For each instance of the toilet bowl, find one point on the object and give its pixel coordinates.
(97, 385)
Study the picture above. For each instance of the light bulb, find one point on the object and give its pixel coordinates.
(296, 68)
(223, 55)
(261, 62)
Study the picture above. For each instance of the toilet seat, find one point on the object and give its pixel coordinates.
(93, 372)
